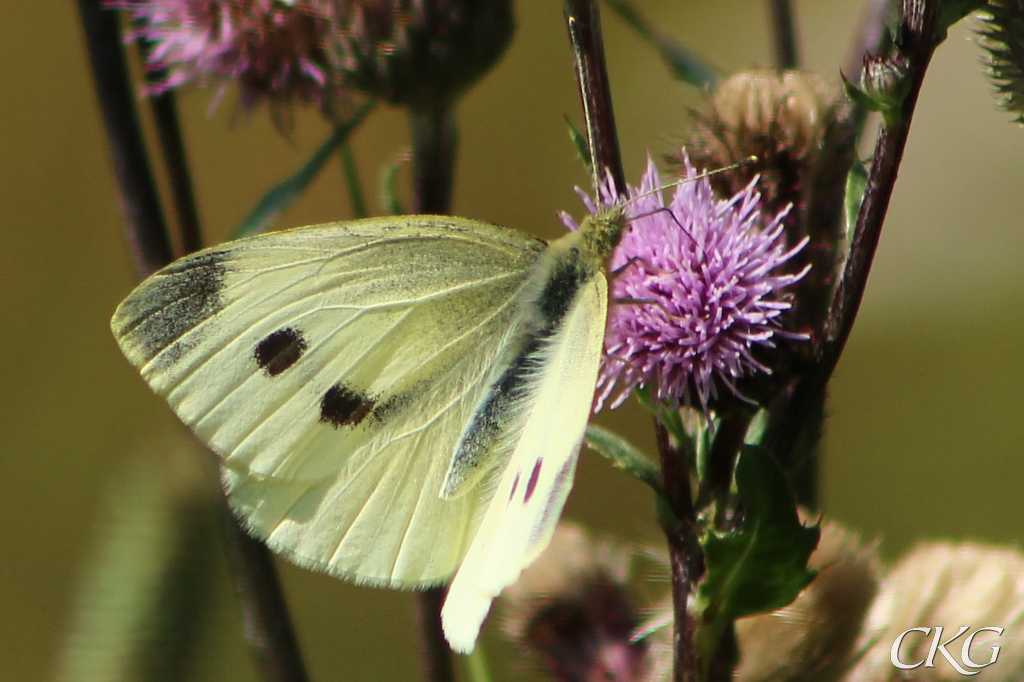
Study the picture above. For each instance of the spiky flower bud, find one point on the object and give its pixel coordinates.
(782, 119)
(418, 53)
(885, 82)
(947, 585)
(1002, 37)
(572, 611)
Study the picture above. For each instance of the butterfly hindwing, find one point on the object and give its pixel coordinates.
(532, 489)
(334, 369)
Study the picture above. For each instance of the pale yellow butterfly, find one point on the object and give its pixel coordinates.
(396, 400)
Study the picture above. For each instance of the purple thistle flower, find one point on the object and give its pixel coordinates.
(693, 292)
(271, 48)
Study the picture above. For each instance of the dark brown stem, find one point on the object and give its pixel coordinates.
(168, 128)
(435, 655)
(266, 617)
(685, 554)
(144, 219)
(434, 141)
(919, 19)
(268, 627)
(722, 459)
(784, 34)
(584, 24)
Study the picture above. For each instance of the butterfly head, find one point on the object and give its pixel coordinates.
(602, 231)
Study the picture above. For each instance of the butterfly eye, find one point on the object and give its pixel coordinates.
(279, 351)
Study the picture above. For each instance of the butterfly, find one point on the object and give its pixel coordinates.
(398, 401)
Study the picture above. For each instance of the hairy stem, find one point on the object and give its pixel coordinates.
(685, 554)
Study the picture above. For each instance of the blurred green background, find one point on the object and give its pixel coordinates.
(925, 431)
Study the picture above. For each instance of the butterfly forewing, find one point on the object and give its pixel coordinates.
(334, 369)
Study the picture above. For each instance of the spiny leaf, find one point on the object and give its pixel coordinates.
(762, 566)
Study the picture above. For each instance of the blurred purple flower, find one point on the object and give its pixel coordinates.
(273, 49)
(694, 292)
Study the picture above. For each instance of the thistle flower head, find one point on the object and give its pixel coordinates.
(418, 53)
(696, 290)
(271, 48)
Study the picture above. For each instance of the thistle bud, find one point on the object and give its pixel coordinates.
(812, 639)
(781, 119)
(418, 53)
(572, 611)
(947, 585)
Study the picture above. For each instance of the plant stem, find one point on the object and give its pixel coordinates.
(919, 19)
(168, 129)
(434, 138)
(685, 554)
(784, 34)
(355, 187)
(140, 203)
(268, 627)
(267, 622)
(584, 24)
(721, 461)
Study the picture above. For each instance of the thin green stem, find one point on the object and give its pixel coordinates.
(352, 182)
(476, 665)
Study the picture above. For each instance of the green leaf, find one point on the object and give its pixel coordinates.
(624, 455)
(762, 566)
(683, 64)
(283, 195)
(856, 181)
(355, 187)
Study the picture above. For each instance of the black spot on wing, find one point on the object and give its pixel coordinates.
(531, 485)
(279, 351)
(341, 406)
(173, 302)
